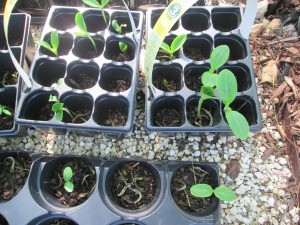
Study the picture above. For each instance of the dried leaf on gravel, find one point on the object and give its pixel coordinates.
(269, 72)
(233, 169)
(267, 153)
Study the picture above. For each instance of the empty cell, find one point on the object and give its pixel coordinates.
(63, 19)
(192, 76)
(198, 48)
(196, 20)
(226, 19)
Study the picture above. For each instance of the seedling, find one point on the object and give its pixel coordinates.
(58, 108)
(123, 47)
(204, 190)
(58, 83)
(79, 20)
(5, 77)
(54, 39)
(4, 111)
(175, 45)
(96, 4)
(117, 27)
(226, 85)
(68, 174)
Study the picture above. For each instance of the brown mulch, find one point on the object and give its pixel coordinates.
(284, 93)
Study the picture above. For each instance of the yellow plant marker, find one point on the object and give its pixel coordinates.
(10, 4)
(165, 22)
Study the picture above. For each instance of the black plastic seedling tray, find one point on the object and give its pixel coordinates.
(100, 208)
(18, 32)
(74, 60)
(206, 28)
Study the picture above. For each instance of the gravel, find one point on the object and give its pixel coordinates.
(261, 185)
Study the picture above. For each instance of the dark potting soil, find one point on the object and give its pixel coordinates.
(42, 4)
(165, 57)
(133, 186)
(14, 40)
(13, 175)
(167, 85)
(167, 117)
(84, 180)
(192, 116)
(83, 81)
(183, 179)
(194, 54)
(79, 116)
(149, 2)
(6, 121)
(119, 85)
(45, 113)
(8, 78)
(193, 82)
(114, 117)
(121, 57)
(65, 2)
(116, 3)
(3, 221)
(60, 222)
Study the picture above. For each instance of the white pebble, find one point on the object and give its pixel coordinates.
(151, 155)
(210, 137)
(241, 190)
(172, 152)
(197, 153)
(233, 211)
(271, 202)
(282, 161)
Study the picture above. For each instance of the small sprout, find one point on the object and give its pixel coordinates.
(123, 47)
(117, 27)
(4, 111)
(54, 39)
(58, 108)
(58, 83)
(79, 20)
(68, 174)
(204, 190)
(165, 82)
(175, 45)
(96, 4)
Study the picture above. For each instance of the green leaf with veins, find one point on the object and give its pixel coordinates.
(201, 190)
(219, 57)
(227, 86)
(238, 123)
(209, 79)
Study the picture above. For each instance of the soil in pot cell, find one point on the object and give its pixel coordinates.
(113, 50)
(15, 31)
(14, 171)
(247, 107)
(115, 78)
(113, 3)
(111, 111)
(242, 75)
(67, 2)
(61, 221)
(183, 179)
(94, 20)
(167, 112)
(236, 44)
(36, 106)
(192, 76)
(65, 44)
(122, 18)
(7, 102)
(164, 56)
(132, 185)
(226, 19)
(53, 181)
(79, 107)
(167, 78)
(8, 77)
(156, 14)
(196, 20)
(82, 75)
(83, 47)
(210, 113)
(30, 4)
(48, 72)
(198, 48)
(3, 221)
(63, 19)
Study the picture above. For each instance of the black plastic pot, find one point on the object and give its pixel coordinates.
(86, 72)
(18, 33)
(206, 28)
(100, 207)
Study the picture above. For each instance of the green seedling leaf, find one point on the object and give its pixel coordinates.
(93, 3)
(44, 44)
(58, 106)
(209, 79)
(238, 124)
(4, 110)
(219, 57)
(224, 193)
(68, 173)
(59, 115)
(117, 27)
(54, 39)
(178, 42)
(123, 47)
(206, 92)
(53, 98)
(69, 186)
(227, 86)
(79, 34)
(104, 2)
(201, 190)
(165, 47)
(79, 20)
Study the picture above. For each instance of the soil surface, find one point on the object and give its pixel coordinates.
(8, 78)
(114, 117)
(119, 85)
(25, 4)
(122, 57)
(166, 85)
(79, 116)
(83, 81)
(193, 82)
(192, 116)
(14, 40)
(167, 117)
(67, 2)
(182, 180)
(165, 57)
(133, 186)
(194, 54)
(7, 122)
(45, 113)
(84, 180)
(61, 222)
(148, 2)
(14, 171)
